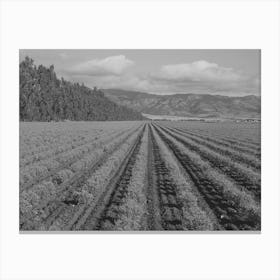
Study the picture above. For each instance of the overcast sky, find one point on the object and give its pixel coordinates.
(225, 72)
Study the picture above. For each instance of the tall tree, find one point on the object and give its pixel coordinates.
(44, 97)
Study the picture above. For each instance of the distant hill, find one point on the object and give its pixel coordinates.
(188, 105)
(44, 97)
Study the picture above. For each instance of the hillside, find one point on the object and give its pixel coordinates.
(188, 105)
(44, 97)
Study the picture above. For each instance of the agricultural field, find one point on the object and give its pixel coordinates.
(140, 176)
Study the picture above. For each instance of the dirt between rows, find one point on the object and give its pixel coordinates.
(163, 206)
(233, 173)
(105, 213)
(236, 147)
(225, 210)
(65, 192)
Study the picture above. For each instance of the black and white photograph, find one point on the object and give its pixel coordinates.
(165, 140)
(139, 140)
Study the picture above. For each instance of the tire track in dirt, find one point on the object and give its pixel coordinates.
(226, 212)
(105, 211)
(164, 207)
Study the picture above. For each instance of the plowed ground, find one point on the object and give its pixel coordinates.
(130, 184)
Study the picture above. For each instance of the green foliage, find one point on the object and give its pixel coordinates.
(44, 97)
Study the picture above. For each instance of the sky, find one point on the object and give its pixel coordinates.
(223, 72)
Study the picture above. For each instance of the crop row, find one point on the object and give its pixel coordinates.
(195, 215)
(233, 138)
(239, 173)
(242, 158)
(71, 160)
(229, 145)
(101, 186)
(107, 214)
(233, 208)
(40, 137)
(234, 133)
(37, 201)
(31, 145)
(55, 151)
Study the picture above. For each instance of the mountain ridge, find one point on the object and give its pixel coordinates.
(189, 104)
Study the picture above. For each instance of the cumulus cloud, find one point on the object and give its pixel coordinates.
(126, 81)
(203, 77)
(113, 65)
(196, 77)
(198, 71)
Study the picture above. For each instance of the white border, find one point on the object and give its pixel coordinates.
(156, 24)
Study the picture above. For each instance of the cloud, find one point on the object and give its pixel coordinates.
(113, 65)
(204, 77)
(126, 81)
(198, 71)
(196, 77)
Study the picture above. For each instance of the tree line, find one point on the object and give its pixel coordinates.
(44, 97)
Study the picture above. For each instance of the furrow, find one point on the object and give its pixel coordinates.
(166, 207)
(46, 211)
(227, 167)
(103, 212)
(225, 210)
